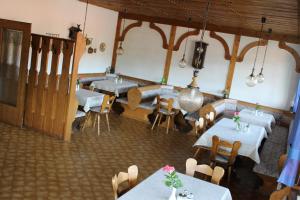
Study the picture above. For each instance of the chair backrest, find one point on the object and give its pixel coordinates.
(215, 174)
(201, 123)
(107, 102)
(130, 177)
(163, 103)
(225, 149)
(209, 112)
(287, 193)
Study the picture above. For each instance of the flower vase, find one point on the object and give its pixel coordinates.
(256, 112)
(173, 194)
(238, 126)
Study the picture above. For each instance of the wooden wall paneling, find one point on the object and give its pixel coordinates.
(39, 114)
(52, 86)
(184, 36)
(283, 45)
(214, 35)
(169, 53)
(128, 28)
(250, 46)
(116, 43)
(162, 34)
(32, 80)
(234, 54)
(72, 102)
(62, 97)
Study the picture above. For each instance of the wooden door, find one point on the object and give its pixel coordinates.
(14, 50)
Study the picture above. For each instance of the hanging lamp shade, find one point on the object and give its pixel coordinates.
(190, 98)
(182, 62)
(120, 50)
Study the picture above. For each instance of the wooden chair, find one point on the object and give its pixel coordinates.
(164, 107)
(224, 152)
(104, 109)
(216, 174)
(123, 182)
(200, 125)
(287, 193)
(209, 113)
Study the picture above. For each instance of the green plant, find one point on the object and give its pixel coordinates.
(172, 180)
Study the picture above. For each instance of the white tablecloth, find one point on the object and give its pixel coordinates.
(111, 85)
(263, 119)
(89, 99)
(153, 188)
(225, 129)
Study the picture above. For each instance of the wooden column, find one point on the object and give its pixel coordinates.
(234, 56)
(72, 101)
(116, 44)
(169, 53)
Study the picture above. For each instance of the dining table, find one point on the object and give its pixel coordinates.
(114, 85)
(250, 137)
(88, 99)
(153, 188)
(257, 117)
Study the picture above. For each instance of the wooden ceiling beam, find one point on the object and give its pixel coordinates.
(212, 27)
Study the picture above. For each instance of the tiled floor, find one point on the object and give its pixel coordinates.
(35, 166)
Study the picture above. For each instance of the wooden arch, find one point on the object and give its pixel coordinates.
(223, 42)
(183, 36)
(283, 45)
(128, 28)
(249, 46)
(162, 34)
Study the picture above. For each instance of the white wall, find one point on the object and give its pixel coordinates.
(212, 77)
(57, 16)
(280, 76)
(144, 56)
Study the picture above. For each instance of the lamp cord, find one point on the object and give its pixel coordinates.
(259, 40)
(204, 29)
(86, 10)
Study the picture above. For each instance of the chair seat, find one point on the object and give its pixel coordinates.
(98, 110)
(80, 114)
(166, 112)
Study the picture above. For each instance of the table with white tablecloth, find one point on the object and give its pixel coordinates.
(225, 129)
(89, 99)
(153, 188)
(258, 118)
(114, 86)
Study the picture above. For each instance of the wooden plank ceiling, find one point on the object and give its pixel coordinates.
(231, 16)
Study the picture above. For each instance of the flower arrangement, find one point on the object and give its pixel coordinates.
(172, 180)
(236, 118)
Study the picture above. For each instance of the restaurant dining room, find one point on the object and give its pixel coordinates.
(149, 100)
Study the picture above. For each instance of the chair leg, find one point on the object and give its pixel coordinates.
(94, 119)
(173, 121)
(229, 175)
(156, 118)
(160, 116)
(107, 120)
(196, 153)
(85, 122)
(98, 116)
(196, 128)
(168, 123)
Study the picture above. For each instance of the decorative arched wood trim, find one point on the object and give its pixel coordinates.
(183, 36)
(162, 34)
(249, 46)
(128, 28)
(283, 45)
(223, 42)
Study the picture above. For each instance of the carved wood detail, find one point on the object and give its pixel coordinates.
(249, 46)
(223, 42)
(283, 45)
(162, 34)
(128, 28)
(183, 36)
